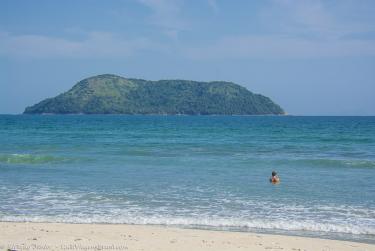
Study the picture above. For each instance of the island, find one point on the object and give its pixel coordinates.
(112, 94)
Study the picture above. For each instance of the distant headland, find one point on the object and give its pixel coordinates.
(111, 94)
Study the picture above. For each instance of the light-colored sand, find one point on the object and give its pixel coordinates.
(55, 236)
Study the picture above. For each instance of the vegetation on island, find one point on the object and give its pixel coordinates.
(111, 94)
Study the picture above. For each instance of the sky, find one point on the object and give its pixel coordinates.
(312, 57)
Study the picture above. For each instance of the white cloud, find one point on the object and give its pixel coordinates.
(94, 45)
(313, 18)
(293, 29)
(213, 5)
(273, 46)
(309, 16)
(166, 14)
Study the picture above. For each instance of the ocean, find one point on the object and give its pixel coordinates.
(208, 172)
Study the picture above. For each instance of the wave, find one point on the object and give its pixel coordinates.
(213, 223)
(30, 159)
(46, 204)
(356, 163)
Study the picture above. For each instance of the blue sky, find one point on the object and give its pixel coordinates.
(312, 57)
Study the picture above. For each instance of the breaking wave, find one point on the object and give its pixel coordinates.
(30, 159)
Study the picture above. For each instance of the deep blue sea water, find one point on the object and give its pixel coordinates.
(192, 171)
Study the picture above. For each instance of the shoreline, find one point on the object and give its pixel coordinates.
(71, 236)
(336, 236)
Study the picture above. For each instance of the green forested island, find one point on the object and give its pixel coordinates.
(111, 94)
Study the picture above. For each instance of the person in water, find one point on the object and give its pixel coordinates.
(274, 178)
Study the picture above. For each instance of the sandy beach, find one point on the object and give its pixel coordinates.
(59, 236)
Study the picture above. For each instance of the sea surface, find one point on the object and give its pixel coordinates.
(206, 172)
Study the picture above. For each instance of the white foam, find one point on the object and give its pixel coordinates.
(204, 222)
(44, 204)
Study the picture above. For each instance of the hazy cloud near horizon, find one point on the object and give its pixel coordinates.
(311, 57)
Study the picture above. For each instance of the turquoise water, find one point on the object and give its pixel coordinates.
(192, 171)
